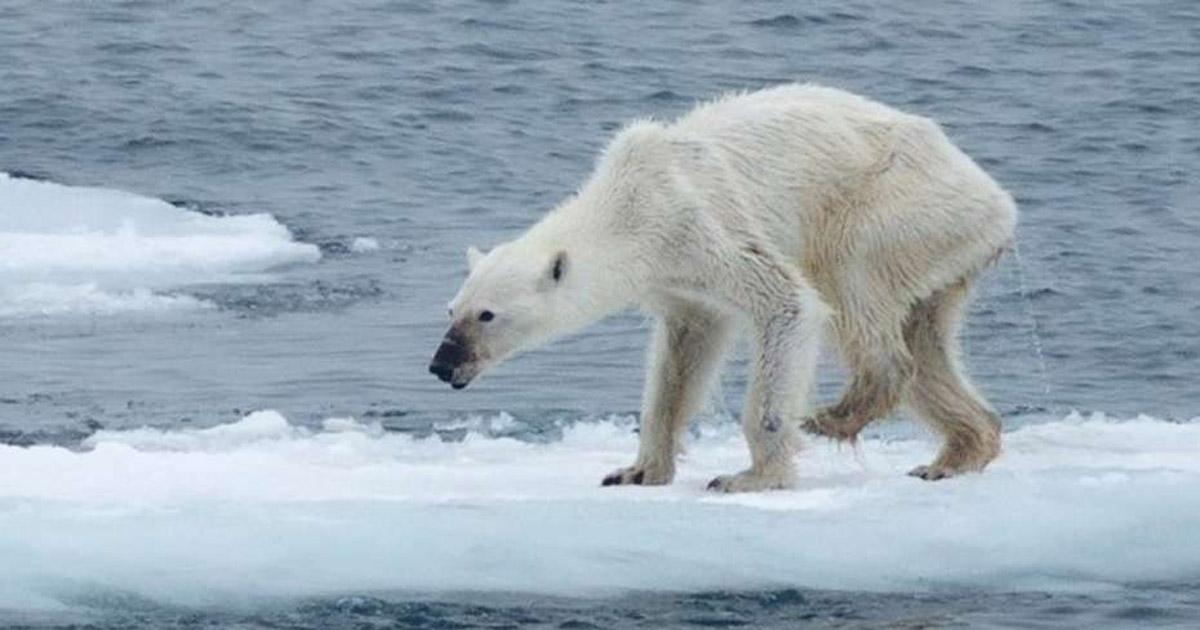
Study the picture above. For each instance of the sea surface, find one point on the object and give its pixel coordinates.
(228, 232)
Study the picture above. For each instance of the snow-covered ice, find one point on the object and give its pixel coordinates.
(264, 508)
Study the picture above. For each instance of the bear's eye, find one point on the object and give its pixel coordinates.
(487, 316)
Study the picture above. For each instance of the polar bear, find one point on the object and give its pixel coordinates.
(791, 213)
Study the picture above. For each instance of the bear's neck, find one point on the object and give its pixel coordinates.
(602, 263)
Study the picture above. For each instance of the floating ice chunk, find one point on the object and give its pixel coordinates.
(120, 247)
(363, 244)
(261, 508)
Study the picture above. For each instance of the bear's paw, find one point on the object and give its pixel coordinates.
(933, 472)
(639, 475)
(750, 481)
(831, 424)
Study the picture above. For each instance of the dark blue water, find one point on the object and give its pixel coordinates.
(1156, 607)
(432, 126)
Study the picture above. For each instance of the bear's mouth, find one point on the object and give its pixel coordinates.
(457, 377)
(450, 376)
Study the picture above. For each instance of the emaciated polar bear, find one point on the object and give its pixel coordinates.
(794, 210)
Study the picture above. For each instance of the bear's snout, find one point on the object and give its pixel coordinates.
(450, 355)
(442, 371)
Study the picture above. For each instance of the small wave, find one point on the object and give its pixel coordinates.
(665, 96)
(972, 71)
(506, 53)
(72, 249)
(345, 246)
(785, 20)
(147, 142)
(19, 174)
(263, 508)
(792, 21)
(273, 298)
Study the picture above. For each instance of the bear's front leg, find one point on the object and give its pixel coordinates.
(687, 347)
(788, 335)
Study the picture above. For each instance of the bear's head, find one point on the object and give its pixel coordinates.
(516, 296)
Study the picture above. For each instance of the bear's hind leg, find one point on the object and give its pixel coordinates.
(688, 345)
(881, 366)
(940, 393)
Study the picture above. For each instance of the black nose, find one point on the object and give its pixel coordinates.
(442, 371)
(449, 356)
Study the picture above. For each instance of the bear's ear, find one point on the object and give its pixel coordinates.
(473, 258)
(558, 267)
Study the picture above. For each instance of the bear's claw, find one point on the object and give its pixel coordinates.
(749, 481)
(617, 479)
(932, 473)
(636, 476)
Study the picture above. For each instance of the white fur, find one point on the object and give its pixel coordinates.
(784, 210)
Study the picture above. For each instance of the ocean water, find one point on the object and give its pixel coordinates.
(228, 232)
